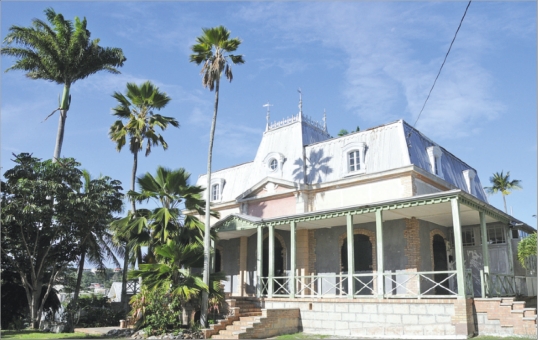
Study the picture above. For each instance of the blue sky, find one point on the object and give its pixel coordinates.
(365, 63)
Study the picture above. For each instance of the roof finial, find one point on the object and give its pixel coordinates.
(324, 120)
(300, 103)
(267, 117)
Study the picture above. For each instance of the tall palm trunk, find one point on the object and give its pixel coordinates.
(207, 231)
(64, 107)
(70, 326)
(79, 275)
(504, 200)
(127, 250)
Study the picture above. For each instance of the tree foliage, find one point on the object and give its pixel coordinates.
(526, 250)
(62, 52)
(136, 108)
(502, 183)
(39, 226)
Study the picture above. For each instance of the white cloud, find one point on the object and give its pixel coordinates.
(393, 52)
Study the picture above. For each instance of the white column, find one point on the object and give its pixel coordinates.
(293, 264)
(259, 261)
(510, 251)
(271, 261)
(458, 247)
(213, 254)
(379, 251)
(485, 251)
(350, 257)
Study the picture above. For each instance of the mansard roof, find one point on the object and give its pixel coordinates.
(304, 153)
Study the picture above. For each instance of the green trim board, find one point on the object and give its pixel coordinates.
(242, 222)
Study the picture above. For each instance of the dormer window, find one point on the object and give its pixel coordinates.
(434, 155)
(469, 176)
(217, 185)
(215, 192)
(353, 157)
(273, 164)
(354, 161)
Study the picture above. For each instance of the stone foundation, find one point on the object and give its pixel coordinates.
(389, 318)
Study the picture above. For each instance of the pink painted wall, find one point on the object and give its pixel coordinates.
(273, 208)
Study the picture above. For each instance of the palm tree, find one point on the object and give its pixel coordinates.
(136, 107)
(62, 53)
(502, 183)
(170, 189)
(99, 199)
(212, 49)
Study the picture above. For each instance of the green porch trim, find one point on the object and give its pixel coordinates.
(480, 208)
(233, 223)
(362, 210)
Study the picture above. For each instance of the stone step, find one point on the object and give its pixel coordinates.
(518, 305)
(244, 324)
(249, 310)
(230, 333)
(529, 318)
(218, 336)
(251, 316)
(528, 312)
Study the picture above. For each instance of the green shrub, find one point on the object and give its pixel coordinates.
(156, 311)
(94, 311)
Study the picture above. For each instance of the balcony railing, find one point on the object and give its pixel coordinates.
(397, 284)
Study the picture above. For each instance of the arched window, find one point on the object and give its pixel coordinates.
(273, 164)
(354, 163)
(217, 185)
(215, 192)
(353, 158)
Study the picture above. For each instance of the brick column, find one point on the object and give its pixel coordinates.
(463, 319)
(412, 252)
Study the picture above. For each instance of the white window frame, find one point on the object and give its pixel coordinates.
(469, 176)
(272, 162)
(435, 154)
(274, 156)
(347, 151)
(219, 183)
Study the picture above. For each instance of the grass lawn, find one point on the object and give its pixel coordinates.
(318, 336)
(32, 334)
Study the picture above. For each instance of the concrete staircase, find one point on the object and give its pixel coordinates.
(248, 321)
(237, 308)
(504, 316)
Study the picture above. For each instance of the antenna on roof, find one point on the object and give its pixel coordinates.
(300, 103)
(267, 117)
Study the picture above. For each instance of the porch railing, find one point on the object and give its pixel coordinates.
(498, 284)
(399, 284)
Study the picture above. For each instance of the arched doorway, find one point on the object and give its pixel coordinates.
(363, 263)
(218, 261)
(440, 264)
(362, 254)
(279, 262)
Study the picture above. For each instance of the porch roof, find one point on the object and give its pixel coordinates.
(435, 208)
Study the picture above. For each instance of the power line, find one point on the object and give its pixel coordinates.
(443, 64)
